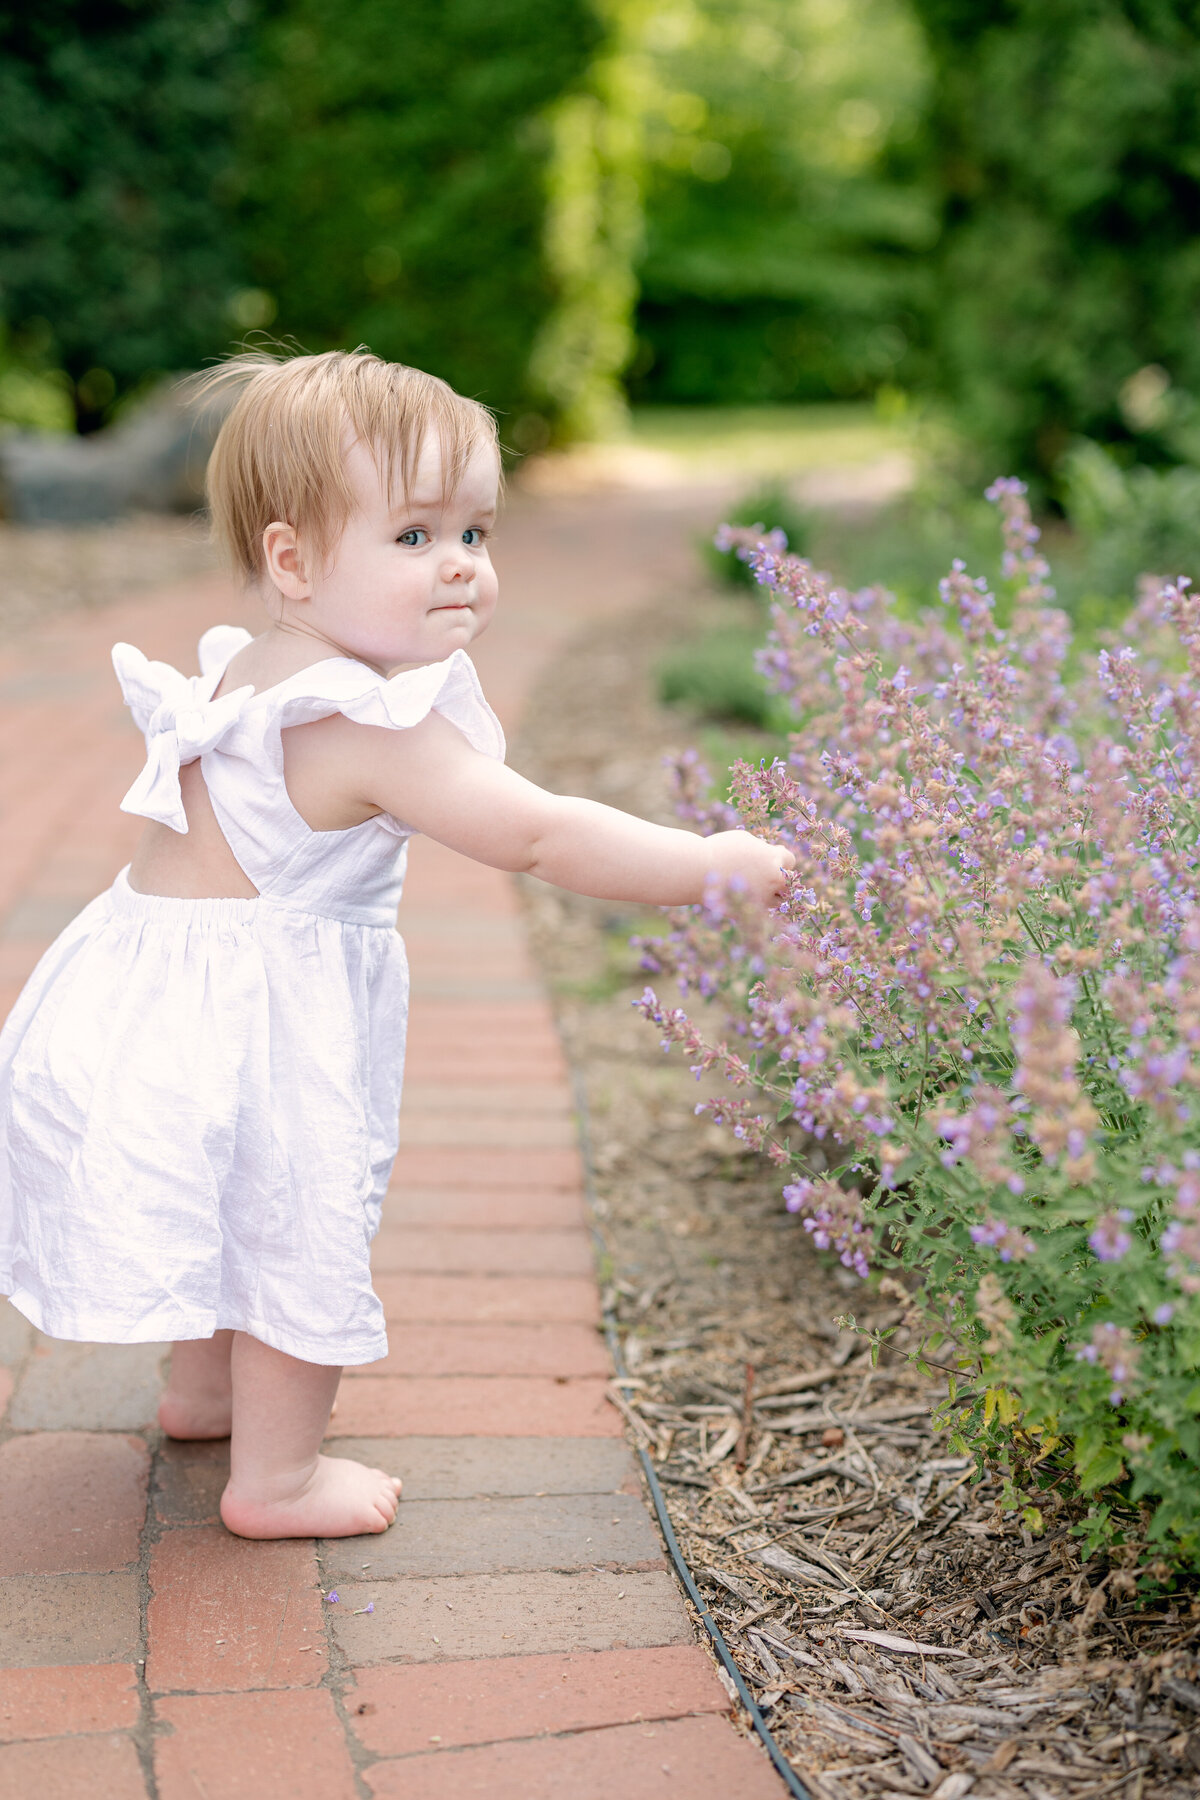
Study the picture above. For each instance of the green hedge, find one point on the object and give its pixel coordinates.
(784, 228)
(116, 178)
(1064, 141)
(396, 163)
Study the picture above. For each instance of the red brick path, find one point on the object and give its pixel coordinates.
(527, 1638)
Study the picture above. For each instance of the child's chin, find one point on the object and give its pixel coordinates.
(464, 629)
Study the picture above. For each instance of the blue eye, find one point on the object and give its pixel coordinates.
(473, 537)
(409, 538)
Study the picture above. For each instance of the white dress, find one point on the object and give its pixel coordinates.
(199, 1098)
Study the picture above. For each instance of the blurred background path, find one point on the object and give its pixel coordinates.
(518, 1631)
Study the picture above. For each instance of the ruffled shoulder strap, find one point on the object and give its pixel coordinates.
(399, 702)
(178, 718)
(219, 645)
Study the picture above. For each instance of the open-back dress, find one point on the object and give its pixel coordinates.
(199, 1098)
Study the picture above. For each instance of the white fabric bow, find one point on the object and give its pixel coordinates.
(179, 721)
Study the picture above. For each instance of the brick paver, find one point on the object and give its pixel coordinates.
(71, 1502)
(518, 1633)
(488, 1299)
(261, 1746)
(399, 1711)
(225, 1613)
(64, 1702)
(464, 1406)
(649, 1761)
(485, 1349)
(100, 1766)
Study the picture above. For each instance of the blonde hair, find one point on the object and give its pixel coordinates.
(280, 453)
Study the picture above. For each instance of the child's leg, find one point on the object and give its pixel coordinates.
(198, 1399)
(279, 1484)
(198, 1402)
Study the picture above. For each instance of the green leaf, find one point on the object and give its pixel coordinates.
(1098, 1464)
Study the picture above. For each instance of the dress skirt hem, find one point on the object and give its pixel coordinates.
(165, 1328)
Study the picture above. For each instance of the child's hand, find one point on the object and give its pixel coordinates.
(761, 865)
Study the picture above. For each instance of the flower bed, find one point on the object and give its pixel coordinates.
(972, 1029)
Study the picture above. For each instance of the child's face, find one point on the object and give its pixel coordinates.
(410, 580)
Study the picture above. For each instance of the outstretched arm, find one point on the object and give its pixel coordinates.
(432, 779)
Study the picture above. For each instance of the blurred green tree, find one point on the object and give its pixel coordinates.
(396, 165)
(783, 234)
(1064, 141)
(592, 232)
(116, 261)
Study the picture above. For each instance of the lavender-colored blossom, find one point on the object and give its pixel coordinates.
(995, 1234)
(1110, 1241)
(1112, 1347)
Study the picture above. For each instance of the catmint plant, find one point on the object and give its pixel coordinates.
(969, 1037)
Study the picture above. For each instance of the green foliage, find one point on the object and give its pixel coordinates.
(457, 187)
(779, 260)
(1134, 520)
(591, 236)
(115, 168)
(716, 677)
(1064, 141)
(32, 395)
(396, 168)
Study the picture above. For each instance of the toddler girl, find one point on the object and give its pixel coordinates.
(199, 1086)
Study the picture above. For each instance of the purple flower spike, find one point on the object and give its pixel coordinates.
(1109, 1241)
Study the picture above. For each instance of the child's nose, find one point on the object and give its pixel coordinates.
(457, 564)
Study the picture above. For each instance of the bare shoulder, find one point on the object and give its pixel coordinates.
(324, 764)
(340, 773)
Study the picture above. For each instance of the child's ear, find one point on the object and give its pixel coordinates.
(285, 561)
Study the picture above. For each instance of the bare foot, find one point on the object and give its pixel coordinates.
(196, 1415)
(340, 1499)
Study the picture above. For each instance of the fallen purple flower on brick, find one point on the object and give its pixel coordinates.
(332, 1597)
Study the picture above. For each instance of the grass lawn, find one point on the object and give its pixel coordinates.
(767, 441)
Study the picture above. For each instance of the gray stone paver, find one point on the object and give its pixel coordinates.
(507, 1615)
(467, 1537)
(188, 1482)
(16, 1334)
(437, 1468)
(47, 1620)
(88, 1387)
